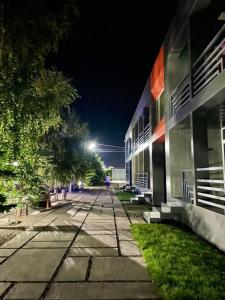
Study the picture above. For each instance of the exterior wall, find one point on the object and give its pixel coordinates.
(205, 223)
(193, 107)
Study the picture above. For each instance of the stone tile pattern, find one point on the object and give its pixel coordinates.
(81, 249)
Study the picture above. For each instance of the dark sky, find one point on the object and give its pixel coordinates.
(109, 55)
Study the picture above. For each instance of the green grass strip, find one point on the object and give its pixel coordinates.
(124, 196)
(181, 264)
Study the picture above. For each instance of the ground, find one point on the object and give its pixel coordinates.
(81, 250)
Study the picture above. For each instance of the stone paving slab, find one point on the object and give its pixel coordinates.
(19, 240)
(98, 241)
(98, 227)
(47, 236)
(26, 291)
(129, 248)
(96, 232)
(73, 269)
(2, 258)
(3, 287)
(118, 268)
(125, 235)
(6, 252)
(46, 245)
(102, 290)
(93, 252)
(31, 265)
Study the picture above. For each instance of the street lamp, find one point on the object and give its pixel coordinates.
(103, 148)
(91, 146)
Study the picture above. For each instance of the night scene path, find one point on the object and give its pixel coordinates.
(81, 250)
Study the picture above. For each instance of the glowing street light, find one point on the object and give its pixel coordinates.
(97, 147)
(91, 146)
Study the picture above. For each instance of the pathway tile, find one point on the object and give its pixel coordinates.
(46, 245)
(26, 291)
(125, 235)
(19, 240)
(98, 241)
(118, 268)
(93, 252)
(31, 265)
(2, 258)
(102, 290)
(98, 227)
(6, 252)
(93, 232)
(45, 236)
(73, 269)
(3, 287)
(129, 248)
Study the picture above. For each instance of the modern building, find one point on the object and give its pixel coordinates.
(175, 144)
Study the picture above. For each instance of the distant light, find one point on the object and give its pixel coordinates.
(79, 182)
(15, 163)
(91, 146)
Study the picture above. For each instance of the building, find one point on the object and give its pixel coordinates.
(175, 142)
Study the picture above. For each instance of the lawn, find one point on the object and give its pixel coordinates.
(124, 196)
(181, 264)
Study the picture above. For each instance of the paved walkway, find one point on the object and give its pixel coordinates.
(82, 250)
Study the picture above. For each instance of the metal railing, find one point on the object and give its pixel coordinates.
(147, 133)
(188, 186)
(142, 180)
(180, 96)
(141, 139)
(211, 187)
(210, 63)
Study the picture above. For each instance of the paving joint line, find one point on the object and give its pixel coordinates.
(117, 236)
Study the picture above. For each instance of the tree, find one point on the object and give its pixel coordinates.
(95, 173)
(31, 98)
(64, 146)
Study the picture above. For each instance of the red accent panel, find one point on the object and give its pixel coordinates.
(157, 76)
(159, 132)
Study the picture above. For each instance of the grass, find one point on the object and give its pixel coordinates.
(124, 196)
(181, 264)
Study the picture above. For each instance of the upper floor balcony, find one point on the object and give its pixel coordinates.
(205, 69)
(139, 142)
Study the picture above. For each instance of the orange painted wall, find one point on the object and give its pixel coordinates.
(157, 76)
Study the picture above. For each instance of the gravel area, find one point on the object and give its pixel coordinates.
(9, 230)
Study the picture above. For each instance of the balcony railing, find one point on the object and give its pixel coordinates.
(181, 96)
(211, 187)
(146, 133)
(188, 186)
(210, 63)
(142, 180)
(207, 67)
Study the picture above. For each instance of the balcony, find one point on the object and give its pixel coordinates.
(210, 63)
(181, 96)
(141, 181)
(211, 188)
(206, 68)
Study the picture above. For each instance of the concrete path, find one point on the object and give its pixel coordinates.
(83, 250)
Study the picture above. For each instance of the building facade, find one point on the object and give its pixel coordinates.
(175, 144)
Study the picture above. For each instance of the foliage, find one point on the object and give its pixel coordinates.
(181, 264)
(64, 146)
(95, 170)
(31, 97)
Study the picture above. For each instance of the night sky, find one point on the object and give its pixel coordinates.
(109, 55)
